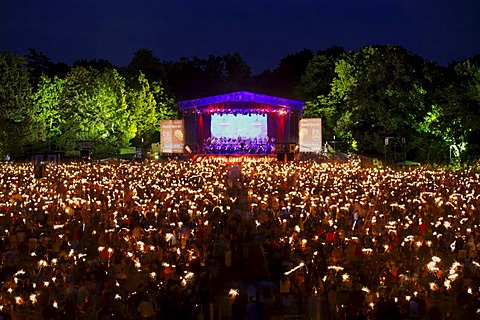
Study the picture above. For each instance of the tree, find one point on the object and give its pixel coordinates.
(331, 107)
(93, 107)
(165, 109)
(285, 79)
(148, 104)
(289, 73)
(388, 97)
(97, 64)
(378, 92)
(16, 107)
(110, 98)
(320, 72)
(452, 124)
(47, 99)
(469, 83)
(190, 79)
(145, 61)
(238, 74)
(194, 78)
(142, 108)
(38, 64)
(393, 87)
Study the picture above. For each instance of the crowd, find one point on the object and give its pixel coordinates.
(183, 239)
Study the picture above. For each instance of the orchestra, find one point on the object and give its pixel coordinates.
(239, 145)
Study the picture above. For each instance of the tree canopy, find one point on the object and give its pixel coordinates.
(384, 92)
(16, 107)
(100, 106)
(362, 97)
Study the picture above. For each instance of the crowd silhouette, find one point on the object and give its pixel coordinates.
(182, 239)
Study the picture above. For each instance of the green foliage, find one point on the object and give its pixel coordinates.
(377, 92)
(16, 107)
(148, 104)
(331, 106)
(94, 108)
(362, 97)
(166, 107)
(320, 72)
(141, 105)
(102, 107)
(388, 96)
(47, 100)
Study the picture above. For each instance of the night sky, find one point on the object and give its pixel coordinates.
(262, 31)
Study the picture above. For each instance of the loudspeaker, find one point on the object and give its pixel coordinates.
(288, 156)
(85, 153)
(285, 147)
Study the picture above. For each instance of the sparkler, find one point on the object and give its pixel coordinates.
(447, 284)
(295, 269)
(323, 175)
(233, 293)
(336, 268)
(33, 298)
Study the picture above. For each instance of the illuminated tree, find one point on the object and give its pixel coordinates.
(452, 125)
(469, 83)
(388, 98)
(93, 107)
(166, 108)
(16, 107)
(47, 99)
(142, 109)
(141, 104)
(377, 92)
(331, 105)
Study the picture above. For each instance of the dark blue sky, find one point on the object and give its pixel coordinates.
(263, 31)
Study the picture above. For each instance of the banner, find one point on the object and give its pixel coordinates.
(310, 135)
(236, 159)
(171, 136)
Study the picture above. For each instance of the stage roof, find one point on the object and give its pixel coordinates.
(241, 100)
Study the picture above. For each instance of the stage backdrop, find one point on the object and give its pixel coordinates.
(310, 135)
(241, 125)
(172, 136)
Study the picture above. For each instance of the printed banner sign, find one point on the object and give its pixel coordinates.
(172, 136)
(310, 135)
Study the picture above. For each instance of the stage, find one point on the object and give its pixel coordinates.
(239, 125)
